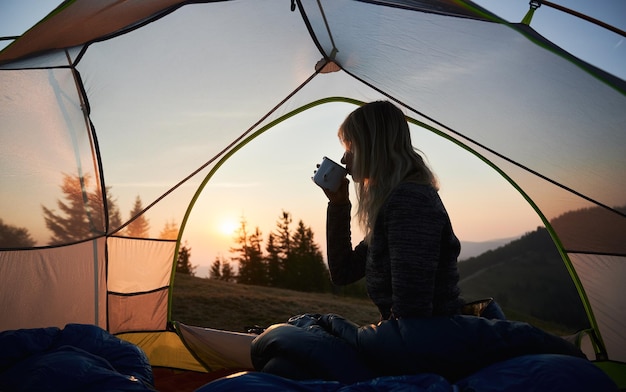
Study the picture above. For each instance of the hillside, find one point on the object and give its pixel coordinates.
(528, 276)
(230, 306)
(472, 249)
(528, 279)
(603, 231)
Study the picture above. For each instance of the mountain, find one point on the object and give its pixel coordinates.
(472, 249)
(528, 278)
(603, 231)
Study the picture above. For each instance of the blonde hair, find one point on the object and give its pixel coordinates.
(377, 134)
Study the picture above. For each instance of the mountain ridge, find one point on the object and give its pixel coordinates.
(471, 249)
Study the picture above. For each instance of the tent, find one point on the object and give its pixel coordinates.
(104, 95)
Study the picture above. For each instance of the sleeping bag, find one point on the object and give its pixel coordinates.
(329, 347)
(528, 373)
(76, 358)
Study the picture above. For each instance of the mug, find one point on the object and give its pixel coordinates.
(329, 175)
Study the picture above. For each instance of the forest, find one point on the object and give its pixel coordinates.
(291, 258)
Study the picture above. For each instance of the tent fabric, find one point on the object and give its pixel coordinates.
(550, 123)
(164, 349)
(217, 349)
(47, 287)
(138, 304)
(66, 26)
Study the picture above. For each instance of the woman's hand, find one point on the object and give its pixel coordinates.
(341, 196)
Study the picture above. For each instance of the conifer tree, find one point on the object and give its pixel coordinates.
(309, 272)
(115, 217)
(228, 273)
(14, 237)
(82, 214)
(222, 270)
(258, 268)
(140, 227)
(283, 235)
(273, 262)
(216, 269)
(170, 231)
(248, 254)
(292, 260)
(282, 238)
(183, 264)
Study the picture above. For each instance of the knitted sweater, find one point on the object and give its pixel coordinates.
(410, 266)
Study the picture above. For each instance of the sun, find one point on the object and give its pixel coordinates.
(228, 227)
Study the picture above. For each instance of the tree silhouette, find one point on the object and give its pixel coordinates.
(222, 270)
(292, 260)
(249, 256)
(273, 262)
(283, 235)
(282, 253)
(216, 269)
(140, 227)
(307, 271)
(14, 237)
(228, 273)
(183, 264)
(257, 267)
(82, 214)
(170, 231)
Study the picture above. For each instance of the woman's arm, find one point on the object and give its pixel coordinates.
(345, 264)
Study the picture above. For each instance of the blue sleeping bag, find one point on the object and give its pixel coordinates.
(76, 358)
(529, 373)
(468, 351)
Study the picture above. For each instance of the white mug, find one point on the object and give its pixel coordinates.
(329, 175)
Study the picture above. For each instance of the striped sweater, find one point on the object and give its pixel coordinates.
(410, 265)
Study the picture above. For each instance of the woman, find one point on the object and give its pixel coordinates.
(409, 254)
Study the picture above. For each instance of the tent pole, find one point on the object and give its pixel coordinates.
(580, 15)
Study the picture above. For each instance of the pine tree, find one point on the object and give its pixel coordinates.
(273, 262)
(222, 270)
(216, 269)
(140, 227)
(82, 214)
(258, 268)
(14, 237)
(170, 231)
(240, 252)
(115, 217)
(249, 255)
(291, 261)
(183, 264)
(283, 235)
(309, 272)
(282, 240)
(228, 273)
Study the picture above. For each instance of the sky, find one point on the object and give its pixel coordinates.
(494, 212)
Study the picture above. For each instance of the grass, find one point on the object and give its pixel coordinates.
(234, 307)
